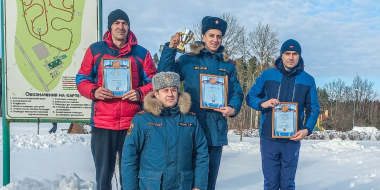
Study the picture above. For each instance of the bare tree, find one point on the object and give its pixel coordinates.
(262, 43)
(335, 91)
(364, 96)
(232, 40)
(352, 105)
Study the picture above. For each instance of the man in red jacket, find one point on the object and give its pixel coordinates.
(111, 117)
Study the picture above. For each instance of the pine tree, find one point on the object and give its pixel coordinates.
(156, 59)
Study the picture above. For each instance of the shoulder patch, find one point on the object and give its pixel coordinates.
(129, 132)
(141, 112)
(191, 54)
(192, 113)
(231, 61)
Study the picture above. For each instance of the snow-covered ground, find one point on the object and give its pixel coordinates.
(63, 161)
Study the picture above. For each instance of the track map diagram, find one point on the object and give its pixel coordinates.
(45, 41)
(47, 34)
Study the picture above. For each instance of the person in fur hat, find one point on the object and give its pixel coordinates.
(207, 57)
(165, 147)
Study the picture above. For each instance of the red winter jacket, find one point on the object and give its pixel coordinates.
(115, 114)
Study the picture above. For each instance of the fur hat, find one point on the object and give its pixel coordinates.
(290, 45)
(165, 79)
(116, 15)
(209, 22)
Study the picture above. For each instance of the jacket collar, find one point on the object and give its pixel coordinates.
(154, 106)
(131, 41)
(199, 48)
(219, 53)
(296, 70)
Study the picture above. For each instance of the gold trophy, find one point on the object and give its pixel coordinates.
(186, 36)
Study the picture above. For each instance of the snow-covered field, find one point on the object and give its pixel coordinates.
(63, 162)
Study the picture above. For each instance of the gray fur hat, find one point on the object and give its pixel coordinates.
(165, 79)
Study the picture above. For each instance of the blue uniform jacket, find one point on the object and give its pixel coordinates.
(165, 148)
(189, 67)
(294, 86)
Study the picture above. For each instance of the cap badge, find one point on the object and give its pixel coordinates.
(167, 79)
(217, 22)
(291, 46)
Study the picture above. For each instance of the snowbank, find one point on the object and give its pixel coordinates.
(29, 141)
(241, 146)
(60, 183)
(372, 130)
(339, 145)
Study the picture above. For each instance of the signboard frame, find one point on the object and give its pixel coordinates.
(7, 120)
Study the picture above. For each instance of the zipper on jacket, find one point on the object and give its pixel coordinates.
(294, 89)
(147, 139)
(120, 116)
(192, 139)
(95, 108)
(278, 93)
(167, 146)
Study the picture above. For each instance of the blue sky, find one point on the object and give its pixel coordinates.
(339, 38)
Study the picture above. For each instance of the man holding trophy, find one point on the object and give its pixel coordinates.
(127, 68)
(198, 69)
(282, 94)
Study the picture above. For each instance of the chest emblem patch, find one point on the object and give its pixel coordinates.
(200, 68)
(185, 124)
(155, 124)
(223, 70)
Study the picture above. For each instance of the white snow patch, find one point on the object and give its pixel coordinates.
(339, 145)
(87, 128)
(60, 183)
(371, 130)
(240, 146)
(29, 141)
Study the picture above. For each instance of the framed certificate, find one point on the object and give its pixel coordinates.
(284, 120)
(213, 91)
(117, 75)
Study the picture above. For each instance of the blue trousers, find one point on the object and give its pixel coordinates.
(215, 155)
(279, 162)
(105, 144)
(54, 128)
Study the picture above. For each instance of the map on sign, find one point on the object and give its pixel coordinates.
(47, 34)
(45, 42)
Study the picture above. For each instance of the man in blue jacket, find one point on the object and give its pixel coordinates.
(165, 147)
(286, 82)
(207, 57)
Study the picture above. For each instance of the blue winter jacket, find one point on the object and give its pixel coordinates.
(165, 148)
(286, 86)
(189, 67)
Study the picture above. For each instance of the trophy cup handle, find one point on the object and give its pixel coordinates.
(181, 45)
(192, 40)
